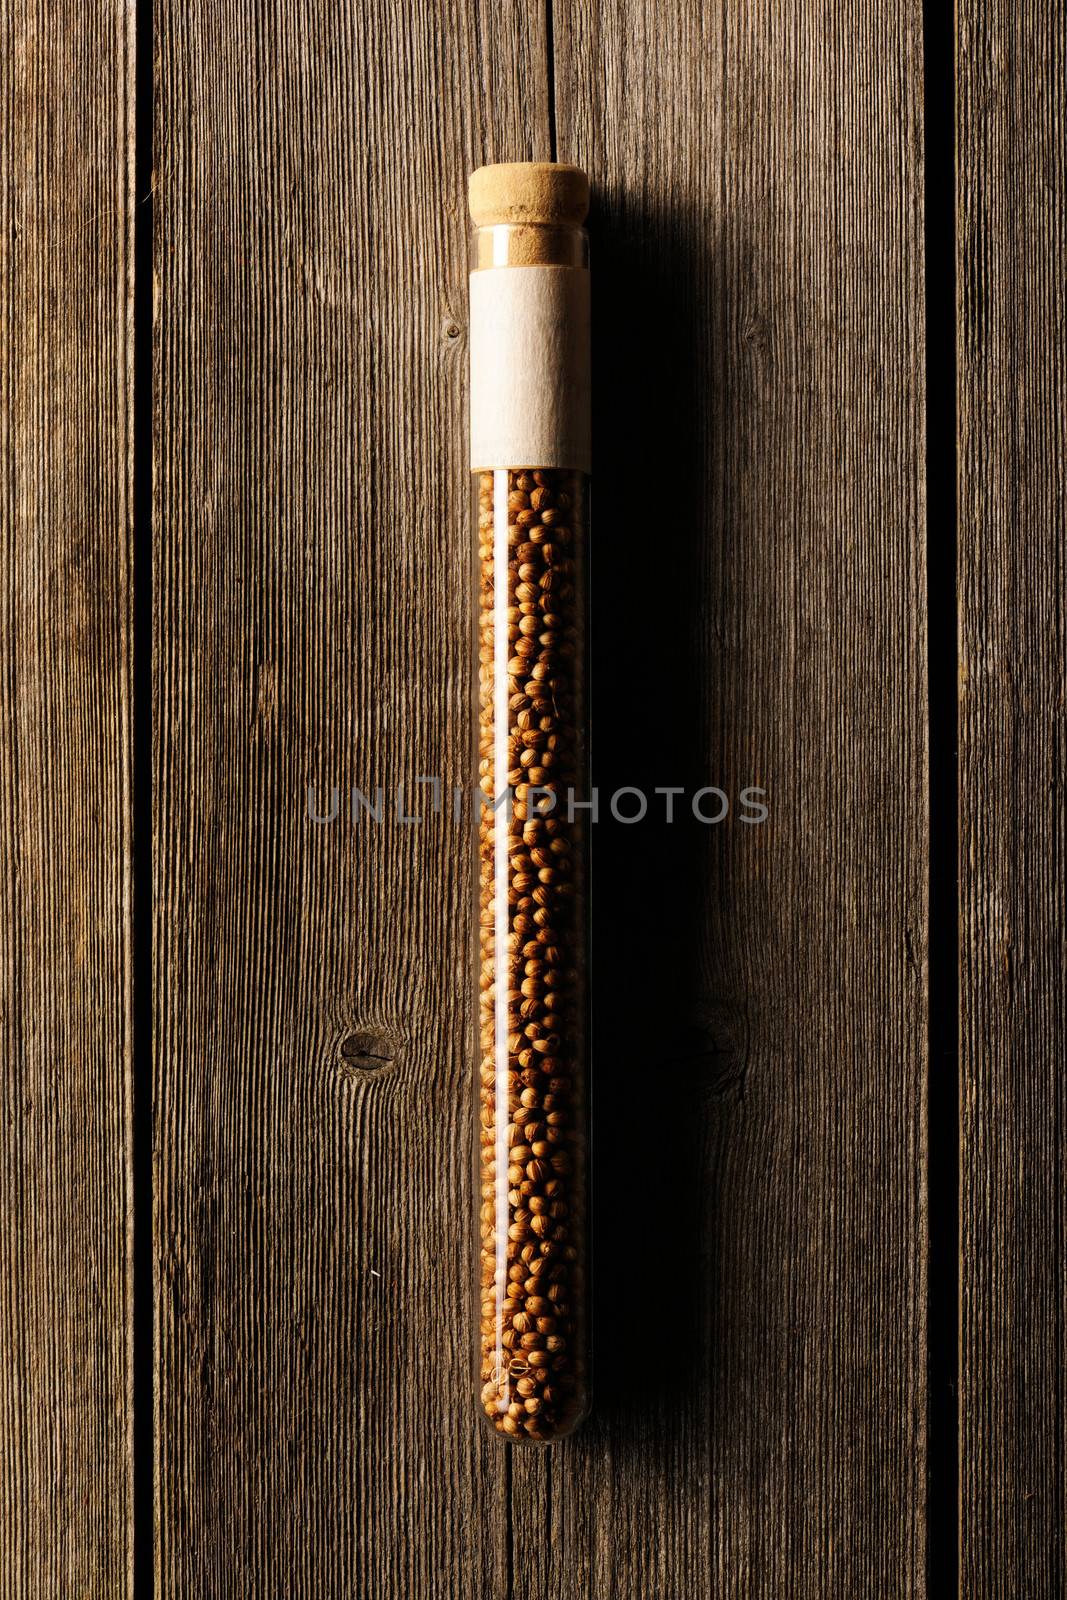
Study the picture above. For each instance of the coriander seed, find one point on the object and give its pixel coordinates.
(529, 347)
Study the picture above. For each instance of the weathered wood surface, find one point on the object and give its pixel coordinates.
(760, 421)
(316, 1425)
(66, 221)
(759, 617)
(1012, 221)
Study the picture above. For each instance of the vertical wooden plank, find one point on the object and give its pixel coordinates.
(317, 1429)
(66, 217)
(759, 597)
(1012, 261)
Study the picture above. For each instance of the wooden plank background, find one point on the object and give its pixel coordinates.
(759, 516)
(313, 627)
(758, 526)
(1013, 835)
(66, 228)
(761, 997)
(316, 1426)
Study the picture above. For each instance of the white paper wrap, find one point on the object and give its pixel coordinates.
(529, 350)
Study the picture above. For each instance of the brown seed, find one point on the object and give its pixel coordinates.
(531, 1098)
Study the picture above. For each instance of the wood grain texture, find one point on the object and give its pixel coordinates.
(316, 1424)
(1012, 241)
(66, 175)
(759, 600)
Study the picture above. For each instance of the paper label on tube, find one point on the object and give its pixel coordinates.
(529, 350)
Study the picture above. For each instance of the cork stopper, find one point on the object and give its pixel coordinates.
(529, 193)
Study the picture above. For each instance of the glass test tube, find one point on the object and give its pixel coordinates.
(530, 460)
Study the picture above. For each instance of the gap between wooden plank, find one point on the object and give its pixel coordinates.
(535, 1470)
(943, 1124)
(143, 1330)
(550, 52)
